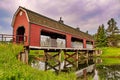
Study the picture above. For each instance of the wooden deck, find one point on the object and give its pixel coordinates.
(57, 48)
(71, 56)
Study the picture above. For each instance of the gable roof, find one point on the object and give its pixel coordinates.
(48, 22)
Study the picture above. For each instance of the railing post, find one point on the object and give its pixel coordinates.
(2, 37)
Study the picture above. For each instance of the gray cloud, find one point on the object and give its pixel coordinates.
(87, 14)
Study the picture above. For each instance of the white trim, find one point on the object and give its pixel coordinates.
(14, 17)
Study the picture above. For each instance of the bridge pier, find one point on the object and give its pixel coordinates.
(53, 56)
(23, 55)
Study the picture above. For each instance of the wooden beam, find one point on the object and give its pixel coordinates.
(73, 56)
(50, 57)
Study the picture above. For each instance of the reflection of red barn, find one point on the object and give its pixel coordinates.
(34, 27)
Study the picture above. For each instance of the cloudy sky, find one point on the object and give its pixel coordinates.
(85, 14)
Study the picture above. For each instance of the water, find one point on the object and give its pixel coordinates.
(105, 69)
(89, 69)
(109, 72)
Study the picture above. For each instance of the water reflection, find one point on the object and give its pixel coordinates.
(109, 72)
(87, 69)
(96, 77)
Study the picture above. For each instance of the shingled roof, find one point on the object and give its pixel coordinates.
(45, 21)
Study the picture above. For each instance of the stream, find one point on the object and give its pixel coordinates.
(89, 69)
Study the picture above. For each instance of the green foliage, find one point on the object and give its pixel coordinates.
(35, 53)
(110, 52)
(12, 69)
(112, 28)
(100, 37)
(113, 40)
(108, 37)
(112, 33)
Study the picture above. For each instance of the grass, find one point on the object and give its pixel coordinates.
(110, 61)
(110, 55)
(12, 69)
(110, 52)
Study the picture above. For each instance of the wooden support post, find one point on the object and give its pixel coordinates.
(64, 59)
(26, 55)
(49, 58)
(46, 59)
(73, 56)
(85, 74)
(59, 60)
(87, 52)
(87, 61)
(77, 58)
(22, 57)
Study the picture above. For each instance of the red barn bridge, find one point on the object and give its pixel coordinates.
(38, 32)
(42, 31)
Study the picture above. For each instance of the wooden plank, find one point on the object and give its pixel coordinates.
(57, 48)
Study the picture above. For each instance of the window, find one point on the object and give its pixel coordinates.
(21, 13)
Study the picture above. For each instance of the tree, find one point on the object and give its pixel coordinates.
(112, 28)
(112, 33)
(100, 37)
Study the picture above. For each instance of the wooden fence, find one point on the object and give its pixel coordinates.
(11, 38)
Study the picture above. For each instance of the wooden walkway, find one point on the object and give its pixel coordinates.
(53, 56)
(55, 48)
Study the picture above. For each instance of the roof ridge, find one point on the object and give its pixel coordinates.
(54, 20)
(48, 18)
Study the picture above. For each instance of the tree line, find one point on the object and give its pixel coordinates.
(108, 37)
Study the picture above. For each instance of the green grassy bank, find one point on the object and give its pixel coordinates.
(12, 69)
(110, 55)
(110, 52)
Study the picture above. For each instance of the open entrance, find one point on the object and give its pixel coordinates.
(77, 43)
(51, 39)
(20, 35)
(89, 44)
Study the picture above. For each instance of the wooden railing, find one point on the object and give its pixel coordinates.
(12, 38)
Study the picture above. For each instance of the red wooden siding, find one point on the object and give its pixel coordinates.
(84, 43)
(21, 21)
(35, 35)
(68, 40)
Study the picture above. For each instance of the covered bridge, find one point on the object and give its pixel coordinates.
(33, 29)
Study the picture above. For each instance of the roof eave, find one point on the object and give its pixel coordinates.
(14, 16)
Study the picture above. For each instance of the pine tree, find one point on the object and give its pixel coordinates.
(112, 28)
(100, 37)
(112, 33)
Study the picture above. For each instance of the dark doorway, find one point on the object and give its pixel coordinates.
(20, 35)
